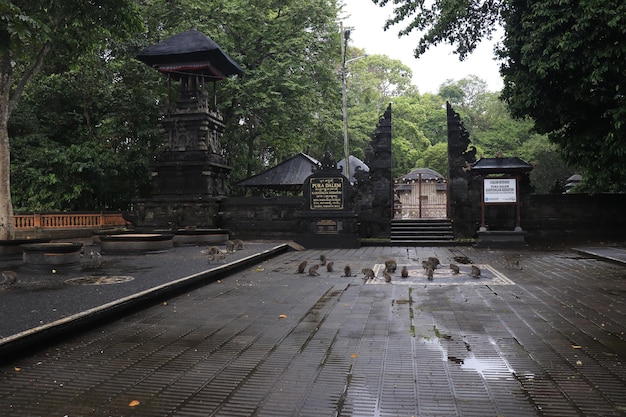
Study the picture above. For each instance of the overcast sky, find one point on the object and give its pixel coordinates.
(435, 67)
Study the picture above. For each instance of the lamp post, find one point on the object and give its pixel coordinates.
(345, 35)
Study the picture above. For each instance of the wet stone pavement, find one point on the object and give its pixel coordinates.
(542, 338)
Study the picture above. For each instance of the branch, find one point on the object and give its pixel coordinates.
(19, 89)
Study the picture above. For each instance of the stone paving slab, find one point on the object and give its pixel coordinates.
(42, 296)
(615, 254)
(547, 339)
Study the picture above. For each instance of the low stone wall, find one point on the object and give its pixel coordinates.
(261, 218)
(575, 217)
(558, 218)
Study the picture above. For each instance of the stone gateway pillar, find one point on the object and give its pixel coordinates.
(462, 208)
(374, 189)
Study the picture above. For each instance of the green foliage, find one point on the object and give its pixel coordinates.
(289, 98)
(86, 128)
(436, 158)
(565, 69)
(563, 66)
(461, 23)
(549, 168)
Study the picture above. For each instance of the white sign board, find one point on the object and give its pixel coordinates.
(501, 190)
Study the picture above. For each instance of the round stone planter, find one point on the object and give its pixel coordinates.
(13, 247)
(51, 253)
(136, 242)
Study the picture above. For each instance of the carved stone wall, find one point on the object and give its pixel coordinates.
(374, 189)
(464, 194)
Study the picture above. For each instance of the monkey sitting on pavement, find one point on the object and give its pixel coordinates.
(301, 267)
(313, 270)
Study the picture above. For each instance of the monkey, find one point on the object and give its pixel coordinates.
(10, 277)
(475, 271)
(347, 271)
(230, 246)
(217, 257)
(512, 261)
(455, 269)
(427, 265)
(387, 276)
(91, 260)
(322, 259)
(238, 243)
(434, 261)
(212, 250)
(390, 265)
(313, 270)
(369, 273)
(329, 266)
(429, 274)
(405, 272)
(301, 267)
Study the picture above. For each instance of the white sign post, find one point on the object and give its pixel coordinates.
(500, 190)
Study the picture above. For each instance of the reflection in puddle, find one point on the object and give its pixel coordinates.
(488, 368)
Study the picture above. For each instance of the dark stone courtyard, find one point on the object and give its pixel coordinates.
(543, 336)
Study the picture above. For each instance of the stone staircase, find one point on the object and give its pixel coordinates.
(422, 232)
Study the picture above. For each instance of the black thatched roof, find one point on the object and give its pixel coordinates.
(501, 166)
(192, 52)
(426, 174)
(289, 175)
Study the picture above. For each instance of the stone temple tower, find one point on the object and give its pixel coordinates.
(189, 174)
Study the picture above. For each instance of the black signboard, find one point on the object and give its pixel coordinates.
(326, 193)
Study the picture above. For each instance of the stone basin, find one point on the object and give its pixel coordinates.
(14, 246)
(51, 253)
(136, 242)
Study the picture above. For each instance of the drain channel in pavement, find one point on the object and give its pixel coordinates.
(100, 280)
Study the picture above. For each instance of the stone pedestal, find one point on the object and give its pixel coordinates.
(327, 219)
(329, 230)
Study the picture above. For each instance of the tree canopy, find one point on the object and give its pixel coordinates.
(562, 67)
(31, 31)
(86, 127)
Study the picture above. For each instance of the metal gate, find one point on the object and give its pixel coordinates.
(421, 199)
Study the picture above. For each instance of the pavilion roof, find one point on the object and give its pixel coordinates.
(512, 165)
(289, 175)
(190, 52)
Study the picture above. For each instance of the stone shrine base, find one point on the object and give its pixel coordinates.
(335, 230)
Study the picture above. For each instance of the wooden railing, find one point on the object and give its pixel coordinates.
(67, 220)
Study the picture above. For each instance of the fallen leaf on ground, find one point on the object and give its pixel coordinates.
(282, 316)
(134, 403)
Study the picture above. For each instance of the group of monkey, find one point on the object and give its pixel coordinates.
(391, 265)
(216, 254)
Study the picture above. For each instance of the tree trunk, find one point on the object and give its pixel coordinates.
(7, 230)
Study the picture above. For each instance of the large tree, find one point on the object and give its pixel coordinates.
(565, 69)
(29, 32)
(288, 100)
(562, 66)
